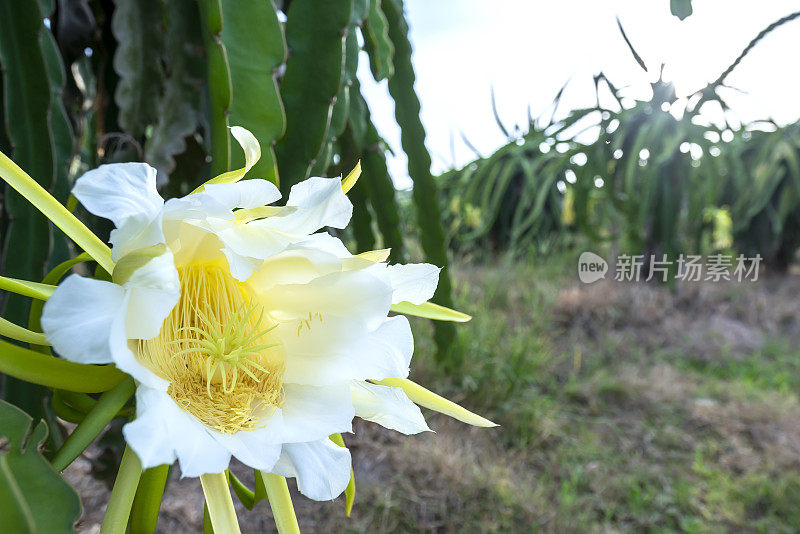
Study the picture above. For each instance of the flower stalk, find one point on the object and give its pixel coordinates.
(118, 510)
(281, 502)
(146, 504)
(220, 503)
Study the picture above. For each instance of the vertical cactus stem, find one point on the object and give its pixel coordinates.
(253, 38)
(377, 44)
(407, 114)
(27, 115)
(340, 104)
(219, 85)
(313, 78)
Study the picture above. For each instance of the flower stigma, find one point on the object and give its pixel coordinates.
(219, 351)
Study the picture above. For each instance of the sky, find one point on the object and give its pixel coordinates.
(525, 50)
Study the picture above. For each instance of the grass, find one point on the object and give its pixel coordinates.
(605, 427)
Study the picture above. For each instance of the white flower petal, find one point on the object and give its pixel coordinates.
(191, 243)
(247, 242)
(357, 296)
(253, 448)
(244, 194)
(241, 267)
(154, 289)
(176, 433)
(77, 318)
(149, 435)
(325, 242)
(295, 265)
(386, 352)
(147, 309)
(311, 413)
(249, 143)
(135, 234)
(387, 406)
(123, 356)
(341, 353)
(120, 192)
(196, 207)
(414, 282)
(320, 202)
(322, 468)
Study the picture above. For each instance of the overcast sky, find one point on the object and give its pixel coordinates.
(527, 49)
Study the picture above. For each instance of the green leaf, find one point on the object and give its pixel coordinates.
(377, 182)
(27, 119)
(27, 95)
(33, 497)
(138, 29)
(253, 38)
(315, 34)
(63, 137)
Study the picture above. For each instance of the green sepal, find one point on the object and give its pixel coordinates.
(350, 490)
(95, 421)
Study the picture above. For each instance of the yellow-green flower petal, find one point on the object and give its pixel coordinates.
(115, 520)
(26, 288)
(376, 256)
(429, 310)
(351, 179)
(55, 211)
(252, 153)
(14, 331)
(431, 400)
(350, 490)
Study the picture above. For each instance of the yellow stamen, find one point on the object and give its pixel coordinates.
(219, 351)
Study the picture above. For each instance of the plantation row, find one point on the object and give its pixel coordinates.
(658, 178)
